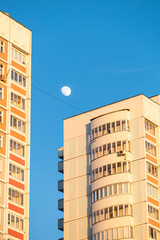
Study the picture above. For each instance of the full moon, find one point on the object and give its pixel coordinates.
(66, 91)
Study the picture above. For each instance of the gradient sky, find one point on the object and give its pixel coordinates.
(105, 50)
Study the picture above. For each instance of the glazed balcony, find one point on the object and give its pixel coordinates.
(60, 166)
(61, 185)
(61, 152)
(60, 224)
(61, 204)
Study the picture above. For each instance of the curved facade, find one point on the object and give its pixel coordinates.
(112, 201)
(111, 172)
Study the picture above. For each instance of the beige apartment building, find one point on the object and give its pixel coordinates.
(110, 161)
(15, 98)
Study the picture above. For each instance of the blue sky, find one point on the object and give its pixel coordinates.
(105, 50)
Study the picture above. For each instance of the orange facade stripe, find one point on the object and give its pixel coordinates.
(18, 89)
(153, 201)
(18, 112)
(18, 66)
(152, 159)
(154, 223)
(151, 179)
(15, 208)
(16, 184)
(15, 234)
(17, 159)
(17, 135)
(153, 139)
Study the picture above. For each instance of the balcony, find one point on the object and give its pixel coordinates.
(60, 185)
(60, 166)
(61, 152)
(60, 224)
(61, 204)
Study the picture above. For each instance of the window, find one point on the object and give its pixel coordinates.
(17, 77)
(152, 233)
(17, 101)
(1, 93)
(17, 148)
(126, 210)
(100, 151)
(151, 190)
(101, 215)
(100, 131)
(18, 56)
(153, 212)
(109, 169)
(1, 69)
(113, 147)
(152, 169)
(125, 187)
(150, 148)
(114, 189)
(150, 127)
(118, 146)
(110, 148)
(93, 196)
(15, 221)
(118, 126)
(115, 211)
(16, 172)
(120, 210)
(109, 190)
(119, 167)
(123, 125)
(108, 128)
(1, 141)
(93, 134)
(96, 133)
(112, 212)
(105, 191)
(104, 129)
(106, 213)
(97, 195)
(1, 116)
(101, 193)
(15, 196)
(113, 126)
(1, 47)
(113, 168)
(104, 150)
(120, 188)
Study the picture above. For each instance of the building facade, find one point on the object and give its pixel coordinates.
(110, 162)
(15, 98)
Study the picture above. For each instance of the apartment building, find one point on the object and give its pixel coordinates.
(15, 98)
(110, 161)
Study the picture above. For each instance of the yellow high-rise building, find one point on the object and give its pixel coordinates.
(110, 161)
(15, 99)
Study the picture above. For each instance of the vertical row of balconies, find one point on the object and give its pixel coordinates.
(61, 188)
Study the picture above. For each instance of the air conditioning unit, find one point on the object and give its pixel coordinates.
(3, 78)
(122, 153)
